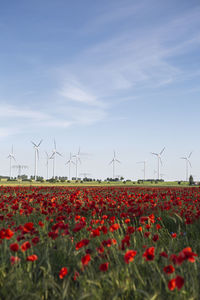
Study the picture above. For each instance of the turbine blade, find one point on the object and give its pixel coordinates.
(154, 153)
(40, 143)
(54, 143)
(52, 155)
(189, 163)
(162, 151)
(34, 144)
(58, 153)
(111, 162)
(118, 161)
(189, 154)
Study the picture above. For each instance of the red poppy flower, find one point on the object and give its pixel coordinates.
(158, 226)
(28, 226)
(35, 240)
(41, 224)
(149, 254)
(169, 269)
(79, 226)
(164, 254)
(14, 247)
(130, 230)
(85, 259)
(114, 227)
(104, 229)
(95, 232)
(155, 237)
(8, 234)
(82, 243)
(147, 234)
(63, 272)
(127, 221)
(129, 256)
(172, 284)
(32, 257)
(179, 282)
(139, 229)
(104, 267)
(14, 260)
(143, 220)
(173, 235)
(100, 249)
(187, 254)
(176, 282)
(25, 246)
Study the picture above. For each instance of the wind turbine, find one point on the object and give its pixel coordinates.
(159, 160)
(70, 161)
(53, 156)
(36, 147)
(47, 163)
(77, 156)
(11, 156)
(113, 162)
(144, 170)
(20, 168)
(187, 162)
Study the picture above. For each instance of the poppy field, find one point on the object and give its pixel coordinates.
(99, 243)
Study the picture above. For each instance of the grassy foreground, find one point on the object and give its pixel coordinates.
(74, 183)
(99, 243)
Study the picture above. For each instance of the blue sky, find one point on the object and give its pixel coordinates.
(101, 75)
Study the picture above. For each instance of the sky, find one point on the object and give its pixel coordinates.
(119, 75)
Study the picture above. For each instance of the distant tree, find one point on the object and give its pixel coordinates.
(191, 180)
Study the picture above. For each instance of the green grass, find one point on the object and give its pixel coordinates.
(74, 183)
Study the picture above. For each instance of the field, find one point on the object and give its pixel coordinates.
(99, 242)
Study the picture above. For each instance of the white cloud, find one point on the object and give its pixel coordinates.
(73, 91)
(135, 59)
(8, 111)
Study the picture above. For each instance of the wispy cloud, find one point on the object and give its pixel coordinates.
(10, 111)
(134, 60)
(73, 91)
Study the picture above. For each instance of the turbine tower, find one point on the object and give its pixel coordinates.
(70, 161)
(11, 156)
(186, 158)
(36, 147)
(144, 170)
(47, 163)
(113, 161)
(53, 156)
(159, 160)
(77, 156)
